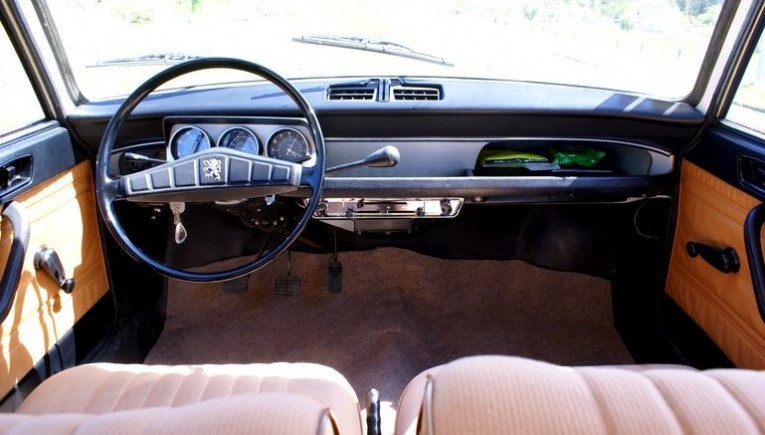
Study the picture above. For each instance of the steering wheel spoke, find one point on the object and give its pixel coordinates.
(215, 174)
(310, 178)
(112, 188)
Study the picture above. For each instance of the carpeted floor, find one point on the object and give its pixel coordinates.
(399, 314)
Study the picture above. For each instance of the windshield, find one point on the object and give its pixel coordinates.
(653, 47)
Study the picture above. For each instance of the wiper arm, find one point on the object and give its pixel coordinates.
(147, 59)
(375, 46)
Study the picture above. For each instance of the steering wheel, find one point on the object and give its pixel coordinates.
(211, 175)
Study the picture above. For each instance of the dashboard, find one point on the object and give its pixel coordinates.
(440, 142)
(434, 200)
(434, 178)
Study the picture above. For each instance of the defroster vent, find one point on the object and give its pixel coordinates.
(407, 93)
(353, 92)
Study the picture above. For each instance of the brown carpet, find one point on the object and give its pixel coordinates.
(399, 314)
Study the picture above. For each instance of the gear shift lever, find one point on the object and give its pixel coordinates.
(386, 157)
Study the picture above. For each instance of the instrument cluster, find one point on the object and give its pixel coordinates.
(289, 142)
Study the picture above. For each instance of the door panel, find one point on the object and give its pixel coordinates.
(713, 212)
(62, 215)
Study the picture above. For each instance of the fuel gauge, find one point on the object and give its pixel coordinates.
(189, 140)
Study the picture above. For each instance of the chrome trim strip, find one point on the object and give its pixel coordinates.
(388, 208)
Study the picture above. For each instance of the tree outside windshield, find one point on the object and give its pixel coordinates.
(653, 47)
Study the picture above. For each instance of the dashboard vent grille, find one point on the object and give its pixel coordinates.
(409, 93)
(352, 93)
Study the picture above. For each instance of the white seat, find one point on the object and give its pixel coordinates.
(505, 395)
(99, 389)
(262, 414)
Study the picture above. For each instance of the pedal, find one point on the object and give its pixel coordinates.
(237, 286)
(289, 284)
(335, 277)
(335, 271)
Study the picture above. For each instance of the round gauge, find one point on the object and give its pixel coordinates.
(189, 140)
(240, 139)
(288, 144)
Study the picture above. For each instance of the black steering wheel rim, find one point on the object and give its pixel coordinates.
(107, 188)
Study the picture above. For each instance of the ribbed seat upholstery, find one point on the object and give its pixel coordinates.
(505, 395)
(108, 388)
(262, 414)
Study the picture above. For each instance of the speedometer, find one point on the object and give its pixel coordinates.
(189, 140)
(240, 139)
(288, 144)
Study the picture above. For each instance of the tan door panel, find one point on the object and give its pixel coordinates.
(713, 212)
(62, 216)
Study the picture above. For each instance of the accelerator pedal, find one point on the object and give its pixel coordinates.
(335, 272)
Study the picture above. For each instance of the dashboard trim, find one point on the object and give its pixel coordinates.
(504, 139)
(501, 189)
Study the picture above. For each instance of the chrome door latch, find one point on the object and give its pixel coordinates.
(47, 259)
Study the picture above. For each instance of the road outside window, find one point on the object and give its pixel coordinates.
(653, 47)
(748, 108)
(19, 105)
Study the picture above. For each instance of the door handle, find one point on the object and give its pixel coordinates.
(752, 233)
(17, 216)
(48, 260)
(724, 260)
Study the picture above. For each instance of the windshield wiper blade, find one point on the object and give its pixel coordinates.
(147, 59)
(375, 46)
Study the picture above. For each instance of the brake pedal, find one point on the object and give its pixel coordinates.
(237, 286)
(289, 284)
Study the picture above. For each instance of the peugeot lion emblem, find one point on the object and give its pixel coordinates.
(211, 168)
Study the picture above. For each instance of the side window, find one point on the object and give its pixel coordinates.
(748, 108)
(19, 105)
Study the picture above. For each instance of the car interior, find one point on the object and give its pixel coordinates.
(330, 234)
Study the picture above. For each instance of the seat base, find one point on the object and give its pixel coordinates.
(501, 395)
(106, 388)
(262, 414)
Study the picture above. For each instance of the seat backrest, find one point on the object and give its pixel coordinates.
(261, 414)
(505, 395)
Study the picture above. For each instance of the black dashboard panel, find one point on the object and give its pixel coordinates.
(460, 96)
(469, 108)
(441, 138)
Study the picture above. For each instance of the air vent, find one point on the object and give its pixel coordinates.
(409, 93)
(352, 92)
